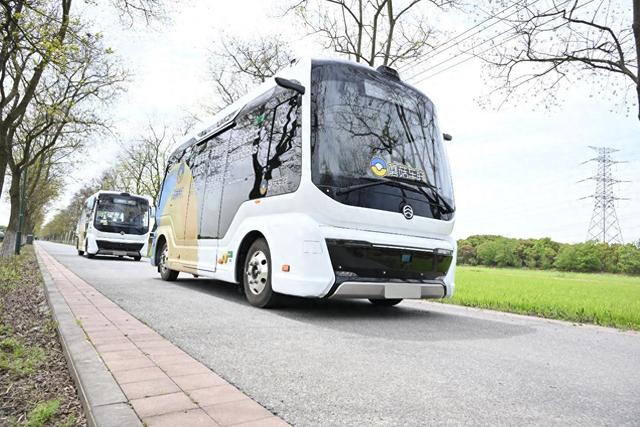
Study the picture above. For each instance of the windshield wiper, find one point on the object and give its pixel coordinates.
(377, 181)
(441, 201)
(418, 186)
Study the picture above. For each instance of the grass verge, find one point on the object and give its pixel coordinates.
(36, 388)
(602, 299)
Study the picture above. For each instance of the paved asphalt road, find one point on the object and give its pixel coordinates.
(330, 363)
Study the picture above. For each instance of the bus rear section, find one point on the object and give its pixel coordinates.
(331, 181)
(114, 223)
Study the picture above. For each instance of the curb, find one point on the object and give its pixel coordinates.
(104, 403)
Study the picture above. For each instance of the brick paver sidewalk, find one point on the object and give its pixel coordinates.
(165, 386)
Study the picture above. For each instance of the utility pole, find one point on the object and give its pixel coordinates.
(23, 185)
(604, 226)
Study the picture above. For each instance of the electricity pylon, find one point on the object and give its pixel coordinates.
(604, 226)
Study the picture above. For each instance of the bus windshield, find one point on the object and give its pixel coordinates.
(121, 213)
(366, 126)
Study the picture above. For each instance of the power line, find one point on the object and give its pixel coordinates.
(434, 52)
(460, 62)
(604, 225)
(555, 7)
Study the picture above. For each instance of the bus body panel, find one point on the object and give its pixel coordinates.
(295, 225)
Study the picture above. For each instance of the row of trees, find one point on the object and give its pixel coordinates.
(498, 251)
(56, 77)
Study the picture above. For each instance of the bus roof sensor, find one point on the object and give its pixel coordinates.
(388, 71)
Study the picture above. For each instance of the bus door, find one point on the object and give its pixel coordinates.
(196, 159)
(172, 209)
(209, 187)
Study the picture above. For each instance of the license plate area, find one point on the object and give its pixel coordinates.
(401, 290)
(119, 253)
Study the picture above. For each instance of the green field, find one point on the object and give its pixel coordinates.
(603, 299)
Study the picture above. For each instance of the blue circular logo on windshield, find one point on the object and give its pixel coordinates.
(378, 166)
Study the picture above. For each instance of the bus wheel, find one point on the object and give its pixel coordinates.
(385, 302)
(256, 279)
(163, 265)
(137, 258)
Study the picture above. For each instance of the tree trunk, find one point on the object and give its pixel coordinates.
(9, 242)
(3, 170)
(3, 160)
(636, 34)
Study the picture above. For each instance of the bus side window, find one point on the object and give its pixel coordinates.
(284, 166)
(167, 185)
(197, 160)
(264, 157)
(245, 141)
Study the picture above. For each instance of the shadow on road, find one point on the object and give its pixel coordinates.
(402, 322)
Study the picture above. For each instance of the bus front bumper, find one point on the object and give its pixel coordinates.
(389, 290)
(99, 245)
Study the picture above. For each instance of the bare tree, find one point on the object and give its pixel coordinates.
(141, 165)
(238, 64)
(545, 47)
(66, 219)
(388, 32)
(149, 10)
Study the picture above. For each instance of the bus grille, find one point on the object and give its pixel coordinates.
(118, 246)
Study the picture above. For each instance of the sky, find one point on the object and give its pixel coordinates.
(515, 170)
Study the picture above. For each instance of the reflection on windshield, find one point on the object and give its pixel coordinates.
(366, 126)
(123, 213)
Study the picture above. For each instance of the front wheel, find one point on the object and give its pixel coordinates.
(257, 275)
(163, 265)
(386, 302)
(137, 258)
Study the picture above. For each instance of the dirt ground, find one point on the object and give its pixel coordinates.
(36, 388)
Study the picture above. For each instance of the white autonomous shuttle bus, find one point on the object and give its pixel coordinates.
(114, 223)
(330, 180)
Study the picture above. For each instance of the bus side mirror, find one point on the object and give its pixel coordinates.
(152, 211)
(290, 84)
(447, 137)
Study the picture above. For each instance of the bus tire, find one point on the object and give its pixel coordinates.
(256, 275)
(166, 273)
(137, 258)
(386, 302)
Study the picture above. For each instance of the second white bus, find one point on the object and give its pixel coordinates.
(114, 223)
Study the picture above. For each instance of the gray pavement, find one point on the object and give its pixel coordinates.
(350, 363)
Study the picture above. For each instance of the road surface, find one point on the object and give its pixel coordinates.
(331, 363)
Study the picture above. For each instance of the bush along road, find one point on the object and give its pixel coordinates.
(36, 388)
